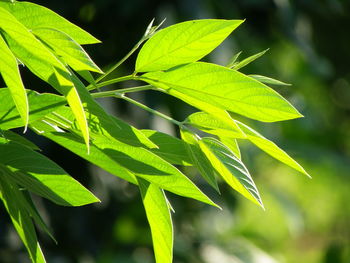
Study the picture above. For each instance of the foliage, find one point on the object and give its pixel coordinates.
(50, 47)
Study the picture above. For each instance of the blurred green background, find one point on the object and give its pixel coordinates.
(305, 221)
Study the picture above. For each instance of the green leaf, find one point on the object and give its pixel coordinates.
(268, 80)
(42, 176)
(36, 16)
(199, 159)
(43, 64)
(12, 136)
(183, 43)
(270, 148)
(39, 106)
(14, 203)
(171, 149)
(233, 60)
(248, 60)
(225, 89)
(64, 46)
(10, 73)
(159, 218)
(212, 124)
(128, 161)
(231, 169)
(232, 144)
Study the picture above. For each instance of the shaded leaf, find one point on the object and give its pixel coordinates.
(230, 168)
(159, 218)
(39, 106)
(12, 136)
(232, 144)
(183, 43)
(225, 89)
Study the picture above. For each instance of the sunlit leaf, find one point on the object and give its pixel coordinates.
(248, 60)
(230, 168)
(225, 89)
(39, 106)
(232, 144)
(36, 16)
(270, 148)
(40, 175)
(183, 43)
(159, 218)
(10, 73)
(233, 60)
(64, 46)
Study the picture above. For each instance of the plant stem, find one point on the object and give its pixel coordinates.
(112, 81)
(112, 93)
(146, 108)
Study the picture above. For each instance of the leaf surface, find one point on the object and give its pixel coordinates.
(183, 43)
(247, 60)
(231, 169)
(36, 16)
(225, 89)
(10, 73)
(159, 218)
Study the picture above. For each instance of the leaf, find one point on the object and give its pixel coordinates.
(36, 16)
(64, 46)
(233, 60)
(13, 199)
(12, 136)
(10, 73)
(171, 149)
(225, 89)
(128, 161)
(43, 64)
(159, 218)
(199, 159)
(270, 148)
(232, 144)
(268, 80)
(183, 43)
(231, 169)
(248, 60)
(212, 124)
(39, 106)
(42, 176)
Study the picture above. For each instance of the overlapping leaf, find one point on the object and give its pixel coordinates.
(35, 16)
(10, 73)
(183, 43)
(40, 175)
(225, 89)
(159, 218)
(230, 168)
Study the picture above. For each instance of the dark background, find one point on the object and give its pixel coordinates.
(305, 221)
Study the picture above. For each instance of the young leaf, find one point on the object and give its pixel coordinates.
(230, 168)
(10, 73)
(39, 106)
(248, 60)
(233, 60)
(183, 43)
(36, 16)
(199, 159)
(42, 176)
(225, 89)
(159, 218)
(12, 198)
(268, 80)
(64, 46)
(270, 148)
(171, 149)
